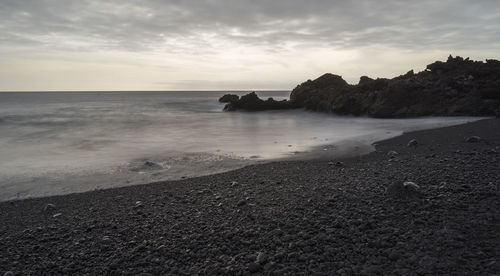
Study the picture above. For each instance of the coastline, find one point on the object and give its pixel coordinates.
(283, 217)
(24, 176)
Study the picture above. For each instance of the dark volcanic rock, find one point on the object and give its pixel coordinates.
(321, 94)
(229, 98)
(457, 87)
(473, 139)
(404, 190)
(412, 143)
(252, 102)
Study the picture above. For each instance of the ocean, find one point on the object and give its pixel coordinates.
(63, 142)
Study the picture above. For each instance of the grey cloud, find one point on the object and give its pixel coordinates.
(225, 84)
(191, 25)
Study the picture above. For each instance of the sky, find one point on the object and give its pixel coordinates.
(62, 45)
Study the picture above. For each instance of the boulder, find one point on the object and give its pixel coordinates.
(229, 107)
(317, 94)
(229, 98)
(252, 102)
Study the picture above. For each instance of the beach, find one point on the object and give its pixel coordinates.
(312, 217)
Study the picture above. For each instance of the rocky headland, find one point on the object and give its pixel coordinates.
(457, 87)
(252, 102)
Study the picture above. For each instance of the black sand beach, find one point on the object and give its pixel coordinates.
(294, 217)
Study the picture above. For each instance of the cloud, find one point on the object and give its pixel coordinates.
(203, 84)
(188, 26)
(233, 44)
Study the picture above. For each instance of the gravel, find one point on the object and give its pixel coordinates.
(281, 218)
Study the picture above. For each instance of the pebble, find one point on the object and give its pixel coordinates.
(106, 239)
(269, 266)
(411, 185)
(253, 267)
(138, 204)
(473, 139)
(49, 207)
(403, 189)
(241, 202)
(261, 258)
(394, 255)
(412, 143)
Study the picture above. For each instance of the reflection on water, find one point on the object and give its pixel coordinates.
(54, 143)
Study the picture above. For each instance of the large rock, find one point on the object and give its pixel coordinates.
(319, 93)
(251, 102)
(457, 87)
(229, 98)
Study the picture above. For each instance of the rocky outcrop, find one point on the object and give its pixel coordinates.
(229, 98)
(457, 87)
(251, 102)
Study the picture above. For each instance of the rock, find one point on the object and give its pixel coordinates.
(261, 258)
(394, 255)
(392, 153)
(412, 143)
(406, 189)
(49, 207)
(254, 267)
(314, 94)
(269, 266)
(138, 204)
(8, 273)
(229, 107)
(241, 202)
(252, 102)
(457, 87)
(106, 240)
(371, 270)
(339, 164)
(229, 98)
(56, 215)
(151, 165)
(411, 185)
(473, 139)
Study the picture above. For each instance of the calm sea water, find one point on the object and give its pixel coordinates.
(56, 143)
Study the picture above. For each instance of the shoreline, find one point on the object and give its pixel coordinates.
(282, 217)
(134, 172)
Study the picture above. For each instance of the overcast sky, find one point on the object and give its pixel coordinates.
(231, 44)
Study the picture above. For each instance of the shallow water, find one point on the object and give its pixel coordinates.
(55, 143)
